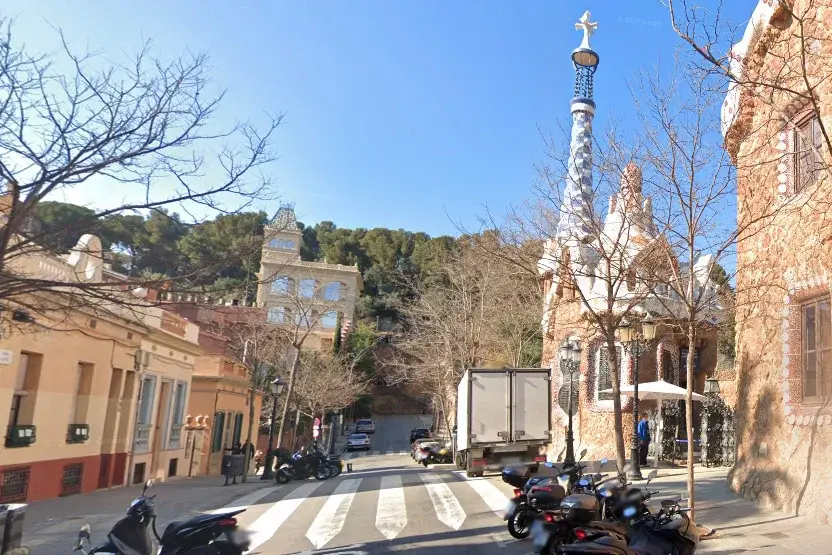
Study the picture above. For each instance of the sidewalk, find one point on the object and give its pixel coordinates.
(741, 525)
(51, 526)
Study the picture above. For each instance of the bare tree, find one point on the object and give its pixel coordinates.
(328, 382)
(144, 128)
(475, 310)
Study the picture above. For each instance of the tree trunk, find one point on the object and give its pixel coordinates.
(289, 389)
(615, 371)
(689, 414)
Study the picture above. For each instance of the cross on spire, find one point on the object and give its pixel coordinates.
(588, 27)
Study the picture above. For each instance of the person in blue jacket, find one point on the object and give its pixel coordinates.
(643, 438)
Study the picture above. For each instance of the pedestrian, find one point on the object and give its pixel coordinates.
(643, 438)
(258, 461)
(237, 449)
(248, 449)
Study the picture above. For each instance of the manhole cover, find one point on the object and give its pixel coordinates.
(776, 535)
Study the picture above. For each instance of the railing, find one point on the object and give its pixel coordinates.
(175, 436)
(174, 324)
(142, 441)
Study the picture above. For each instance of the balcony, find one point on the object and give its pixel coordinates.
(20, 436)
(175, 436)
(142, 437)
(77, 433)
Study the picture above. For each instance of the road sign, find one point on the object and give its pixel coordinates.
(317, 423)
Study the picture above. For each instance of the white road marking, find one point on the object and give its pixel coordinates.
(491, 494)
(447, 507)
(244, 502)
(267, 524)
(391, 514)
(330, 521)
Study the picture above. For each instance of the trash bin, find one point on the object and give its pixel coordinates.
(13, 529)
(232, 466)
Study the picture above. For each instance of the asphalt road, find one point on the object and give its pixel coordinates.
(388, 504)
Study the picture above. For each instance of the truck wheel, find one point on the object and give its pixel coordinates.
(470, 473)
(479, 474)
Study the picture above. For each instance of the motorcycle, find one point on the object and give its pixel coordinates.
(302, 467)
(592, 502)
(205, 534)
(669, 532)
(436, 455)
(518, 513)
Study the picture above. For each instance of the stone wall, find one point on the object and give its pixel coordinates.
(783, 440)
(593, 422)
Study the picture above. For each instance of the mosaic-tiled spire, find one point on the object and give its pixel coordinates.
(576, 209)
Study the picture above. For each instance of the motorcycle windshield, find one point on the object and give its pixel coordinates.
(131, 537)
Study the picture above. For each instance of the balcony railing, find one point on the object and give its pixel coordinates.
(175, 436)
(174, 324)
(142, 441)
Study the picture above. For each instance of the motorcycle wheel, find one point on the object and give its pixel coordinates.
(336, 469)
(425, 462)
(322, 473)
(282, 478)
(202, 550)
(518, 526)
(554, 544)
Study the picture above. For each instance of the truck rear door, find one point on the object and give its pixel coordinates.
(489, 406)
(530, 406)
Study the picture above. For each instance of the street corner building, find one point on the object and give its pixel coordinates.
(91, 399)
(774, 134)
(575, 286)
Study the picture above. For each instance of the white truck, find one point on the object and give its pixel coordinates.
(503, 418)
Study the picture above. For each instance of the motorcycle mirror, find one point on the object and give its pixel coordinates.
(604, 461)
(84, 532)
(653, 474)
(583, 454)
(550, 465)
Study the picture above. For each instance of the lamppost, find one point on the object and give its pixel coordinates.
(277, 389)
(635, 344)
(570, 356)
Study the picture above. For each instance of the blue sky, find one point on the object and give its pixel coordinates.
(399, 113)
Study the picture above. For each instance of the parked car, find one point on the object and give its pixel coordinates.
(419, 433)
(365, 427)
(358, 441)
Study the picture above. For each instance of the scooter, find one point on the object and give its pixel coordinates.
(206, 534)
(436, 455)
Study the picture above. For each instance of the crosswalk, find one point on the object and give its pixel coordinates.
(358, 454)
(369, 508)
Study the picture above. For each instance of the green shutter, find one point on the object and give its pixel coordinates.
(219, 426)
(238, 428)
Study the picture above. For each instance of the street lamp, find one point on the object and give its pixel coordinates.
(277, 389)
(636, 343)
(570, 356)
(711, 387)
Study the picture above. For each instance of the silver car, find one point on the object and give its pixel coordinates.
(358, 441)
(365, 427)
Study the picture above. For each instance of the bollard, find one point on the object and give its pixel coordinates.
(349, 467)
(15, 514)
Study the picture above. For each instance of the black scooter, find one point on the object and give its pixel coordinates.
(206, 534)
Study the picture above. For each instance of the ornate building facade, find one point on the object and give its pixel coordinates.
(784, 327)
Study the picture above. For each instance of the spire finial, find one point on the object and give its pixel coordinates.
(588, 27)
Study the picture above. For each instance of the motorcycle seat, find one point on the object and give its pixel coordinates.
(200, 520)
(618, 527)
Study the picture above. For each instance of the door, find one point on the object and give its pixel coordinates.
(530, 406)
(489, 407)
(160, 429)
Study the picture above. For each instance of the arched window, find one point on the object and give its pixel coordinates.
(667, 366)
(281, 286)
(307, 288)
(281, 244)
(290, 244)
(273, 243)
(332, 291)
(603, 373)
(329, 319)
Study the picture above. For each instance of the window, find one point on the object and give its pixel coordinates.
(332, 291)
(303, 319)
(604, 374)
(26, 386)
(146, 406)
(817, 350)
(290, 245)
(219, 426)
(667, 366)
(14, 413)
(273, 243)
(281, 286)
(83, 387)
(307, 288)
(277, 315)
(329, 319)
(808, 143)
(178, 415)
